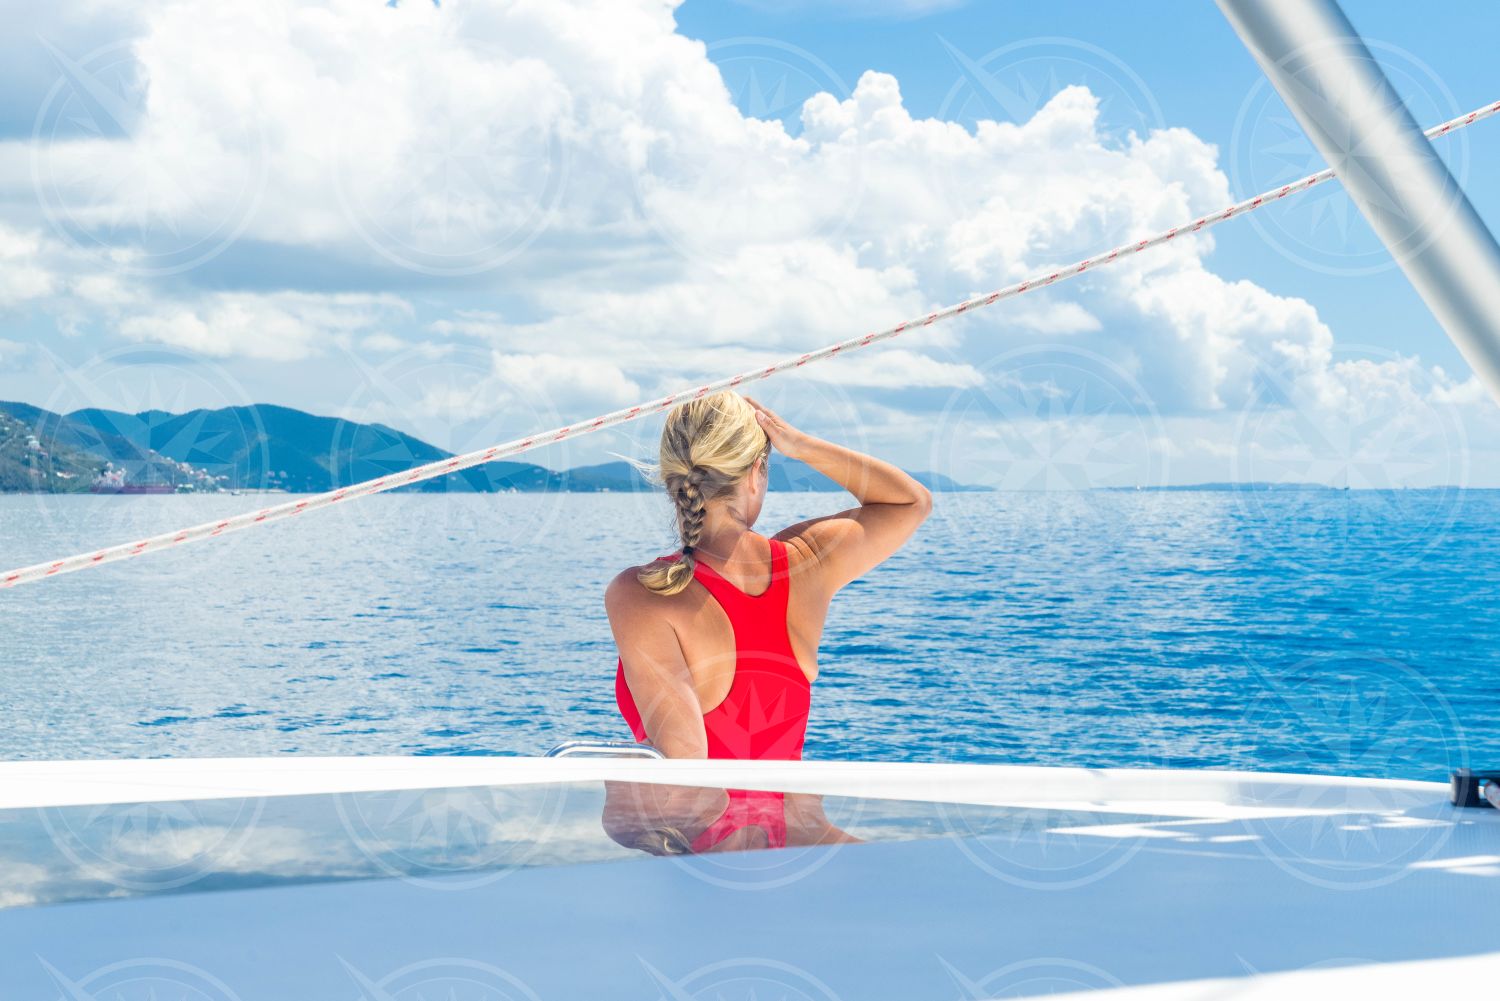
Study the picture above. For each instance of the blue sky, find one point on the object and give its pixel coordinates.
(1193, 65)
(475, 221)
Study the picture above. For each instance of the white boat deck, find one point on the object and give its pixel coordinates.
(60, 783)
(1000, 881)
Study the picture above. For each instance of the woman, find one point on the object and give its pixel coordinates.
(718, 643)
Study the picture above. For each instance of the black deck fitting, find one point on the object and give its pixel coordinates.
(1467, 787)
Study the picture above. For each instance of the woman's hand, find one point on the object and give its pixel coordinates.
(787, 440)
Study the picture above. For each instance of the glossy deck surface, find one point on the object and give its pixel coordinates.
(1062, 881)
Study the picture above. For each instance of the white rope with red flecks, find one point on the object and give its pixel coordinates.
(442, 467)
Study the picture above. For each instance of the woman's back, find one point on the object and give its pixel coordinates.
(755, 691)
(718, 645)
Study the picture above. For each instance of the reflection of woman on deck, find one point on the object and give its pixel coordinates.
(692, 820)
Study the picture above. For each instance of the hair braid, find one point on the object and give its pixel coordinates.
(691, 507)
(707, 446)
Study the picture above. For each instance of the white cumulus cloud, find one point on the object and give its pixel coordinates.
(572, 188)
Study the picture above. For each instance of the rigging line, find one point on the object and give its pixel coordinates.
(443, 467)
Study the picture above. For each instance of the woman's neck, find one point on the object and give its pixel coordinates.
(724, 537)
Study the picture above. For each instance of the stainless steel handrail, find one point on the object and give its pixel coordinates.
(603, 749)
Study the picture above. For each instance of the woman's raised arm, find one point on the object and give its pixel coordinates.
(849, 544)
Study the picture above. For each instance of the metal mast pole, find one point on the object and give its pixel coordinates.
(1321, 68)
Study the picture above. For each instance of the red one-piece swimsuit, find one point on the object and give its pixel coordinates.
(764, 716)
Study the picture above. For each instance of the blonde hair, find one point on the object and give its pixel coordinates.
(707, 446)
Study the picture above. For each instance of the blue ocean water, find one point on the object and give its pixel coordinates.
(1340, 632)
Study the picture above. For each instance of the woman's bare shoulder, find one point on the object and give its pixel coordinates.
(626, 587)
(625, 594)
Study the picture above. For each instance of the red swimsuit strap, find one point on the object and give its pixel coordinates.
(728, 594)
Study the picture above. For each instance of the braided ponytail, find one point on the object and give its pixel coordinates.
(707, 446)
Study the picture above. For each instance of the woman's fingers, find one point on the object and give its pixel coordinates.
(764, 413)
(759, 406)
(782, 435)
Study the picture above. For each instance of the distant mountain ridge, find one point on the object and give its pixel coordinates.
(263, 446)
(1249, 486)
(28, 466)
(786, 475)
